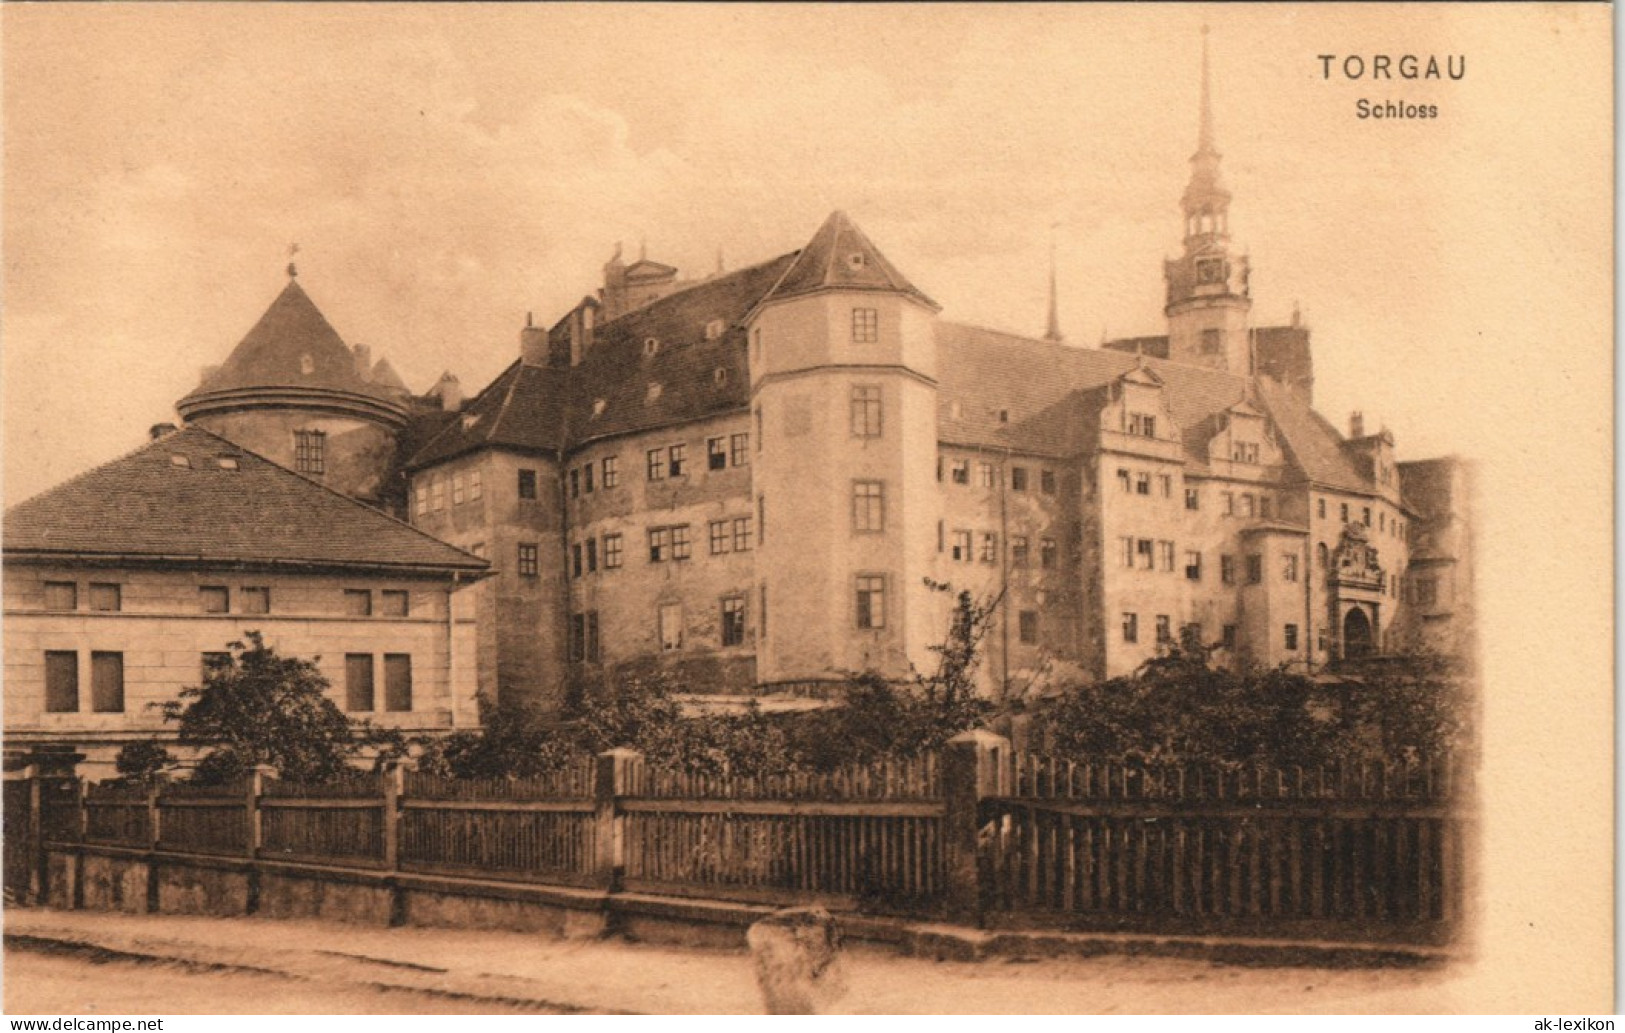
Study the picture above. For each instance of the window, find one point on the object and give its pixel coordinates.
(529, 559)
(398, 682)
(592, 636)
(527, 484)
(866, 412)
(984, 474)
(476, 486)
(254, 599)
(358, 602)
(659, 544)
(742, 534)
(358, 681)
(721, 537)
(1381, 520)
(962, 546)
(591, 545)
(865, 325)
(1027, 622)
(761, 519)
(990, 547)
(1366, 515)
(612, 471)
(612, 552)
(1289, 566)
(1131, 627)
(871, 601)
(61, 595)
(578, 637)
(395, 602)
(1046, 553)
(1165, 629)
(309, 451)
(1320, 508)
(656, 458)
(1227, 637)
(1344, 514)
(1291, 637)
(671, 627)
(575, 486)
(961, 471)
(1165, 484)
(1127, 546)
(1018, 550)
(759, 435)
(459, 489)
(739, 449)
(1165, 555)
(1244, 451)
(680, 546)
(61, 682)
(675, 463)
(1046, 481)
(1247, 504)
(1322, 555)
(1193, 565)
(1227, 569)
(1018, 478)
(1193, 498)
(437, 494)
(214, 598)
(761, 615)
(733, 621)
(1229, 503)
(575, 559)
(868, 505)
(1210, 338)
(106, 597)
(1191, 632)
(1142, 425)
(1142, 484)
(1255, 568)
(1426, 591)
(421, 491)
(1143, 553)
(716, 453)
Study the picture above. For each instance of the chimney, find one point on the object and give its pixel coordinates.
(450, 390)
(159, 430)
(363, 362)
(533, 343)
(1356, 425)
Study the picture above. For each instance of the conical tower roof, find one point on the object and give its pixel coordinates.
(293, 351)
(840, 257)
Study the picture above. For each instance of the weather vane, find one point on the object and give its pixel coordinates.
(293, 270)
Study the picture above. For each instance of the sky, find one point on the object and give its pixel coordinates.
(446, 169)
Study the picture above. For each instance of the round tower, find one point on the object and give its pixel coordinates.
(1208, 294)
(295, 393)
(843, 368)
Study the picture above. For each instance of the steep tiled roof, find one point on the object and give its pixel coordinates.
(1313, 443)
(274, 353)
(521, 409)
(151, 505)
(840, 257)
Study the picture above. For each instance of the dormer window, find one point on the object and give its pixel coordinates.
(1244, 451)
(180, 460)
(720, 375)
(653, 392)
(865, 325)
(226, 462)
(1142, 425)
(307, 365)
(1004, 415)
(1210, 342)
(469, 420)
(310, 451)
(651, 345)
(856, 261)
(713, 329)
(598, 407)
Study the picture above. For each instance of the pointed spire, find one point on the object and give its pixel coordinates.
(1206, 193)
(1204, 138)
(1053, 333)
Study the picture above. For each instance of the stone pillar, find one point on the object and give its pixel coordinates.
(612, 778)
(394, 779)
(975, 765)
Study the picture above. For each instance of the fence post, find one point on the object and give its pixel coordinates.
(394, 787)
(39, 865)
(155, 790)
(256, 786)
(610, 781)
(973, 767)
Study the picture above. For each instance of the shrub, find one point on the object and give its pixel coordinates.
(142, 760)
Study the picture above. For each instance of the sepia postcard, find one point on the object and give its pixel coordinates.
(824, 508)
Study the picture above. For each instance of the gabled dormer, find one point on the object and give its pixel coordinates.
(1246, 443)
(1373, 456)
(1135, 416)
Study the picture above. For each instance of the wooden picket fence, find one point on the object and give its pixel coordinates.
(976, 833)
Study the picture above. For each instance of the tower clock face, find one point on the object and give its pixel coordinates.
(1210, 270)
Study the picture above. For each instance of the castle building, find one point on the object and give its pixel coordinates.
(753, 482)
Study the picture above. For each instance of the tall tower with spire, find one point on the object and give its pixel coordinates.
(1053, 331)
(1208, 295)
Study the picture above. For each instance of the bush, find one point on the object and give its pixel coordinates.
(256, 707)
(141, 761)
